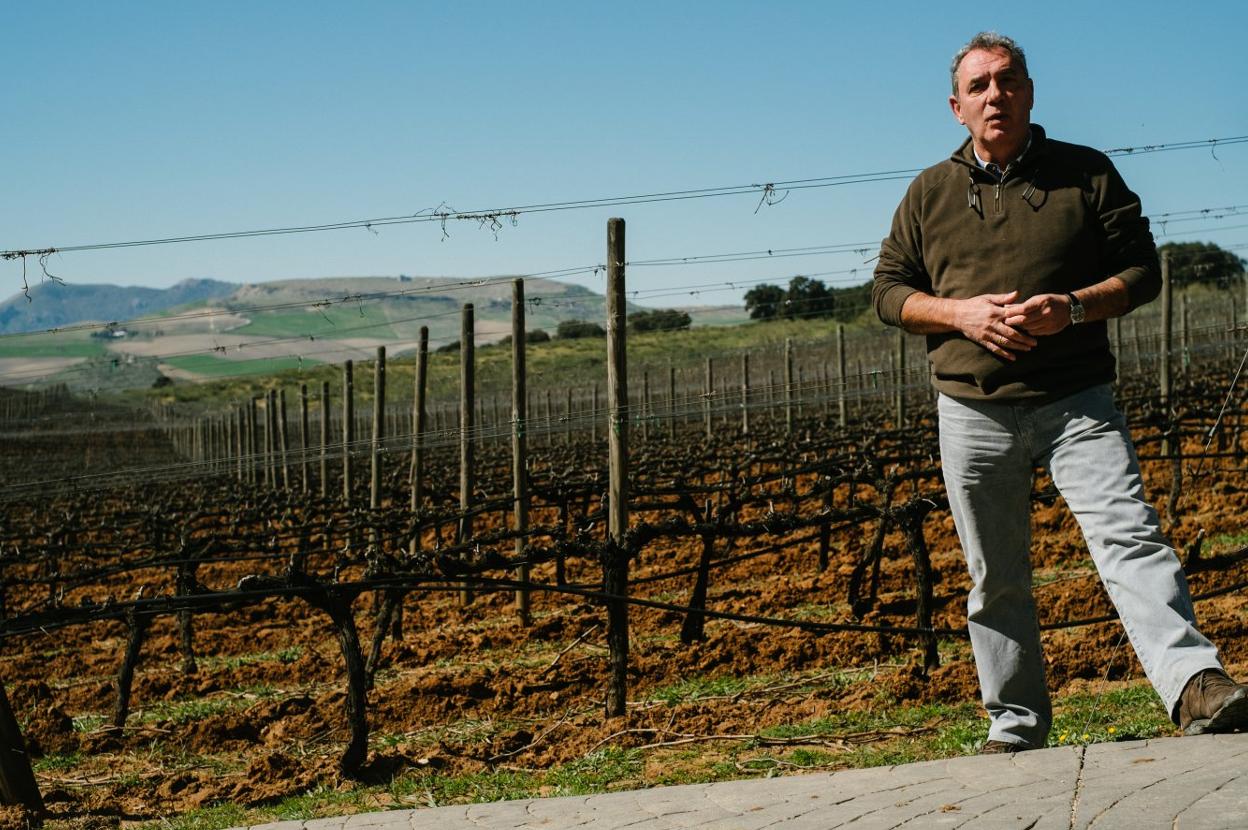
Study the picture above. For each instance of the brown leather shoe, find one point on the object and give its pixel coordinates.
(1212, 702)
(1001, 748)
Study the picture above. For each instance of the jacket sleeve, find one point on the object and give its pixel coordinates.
(900, 272)
(1129, 251)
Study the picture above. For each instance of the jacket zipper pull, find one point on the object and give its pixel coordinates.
(997, 191)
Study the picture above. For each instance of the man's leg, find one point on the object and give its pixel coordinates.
(987, 472)
(1094, 466)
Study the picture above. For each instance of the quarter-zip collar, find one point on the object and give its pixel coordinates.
(1026, 164)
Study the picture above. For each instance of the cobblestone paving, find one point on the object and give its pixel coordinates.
(1186, 783)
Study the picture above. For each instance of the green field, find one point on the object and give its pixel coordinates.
(368, 320)
(64, 344)
(211, 366)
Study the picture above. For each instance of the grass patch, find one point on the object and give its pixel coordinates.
(698, 688)
(206, 818)
(320, 801)
(433, 790)
(207, 365)
(89, 723)
(819, 611)
(186, 710)
(1224, 542)
(326, 322)
(595, 772)
(62, 344)
(286, 656)
(57, 763)
(604, 769)
(701, 688)
(1130, 713)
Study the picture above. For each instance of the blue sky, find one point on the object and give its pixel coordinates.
(141, 120)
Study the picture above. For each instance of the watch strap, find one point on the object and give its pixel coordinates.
(1077, 313)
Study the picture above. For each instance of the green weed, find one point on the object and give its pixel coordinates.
(698, 688)
(206, 818)
(56, 763)
(1130, 713)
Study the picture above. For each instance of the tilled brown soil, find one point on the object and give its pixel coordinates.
(468, 689)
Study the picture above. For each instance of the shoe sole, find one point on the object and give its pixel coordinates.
(1232, 716)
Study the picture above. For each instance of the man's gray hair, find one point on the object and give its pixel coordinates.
(988, 40)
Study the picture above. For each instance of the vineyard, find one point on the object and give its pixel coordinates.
(243, 605)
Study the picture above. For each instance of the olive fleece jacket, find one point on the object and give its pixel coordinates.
(1060, 219)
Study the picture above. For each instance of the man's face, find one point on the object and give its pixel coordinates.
(994, 102)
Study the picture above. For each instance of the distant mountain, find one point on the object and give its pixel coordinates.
(53, 305)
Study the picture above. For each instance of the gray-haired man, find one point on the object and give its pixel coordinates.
(1009, 256)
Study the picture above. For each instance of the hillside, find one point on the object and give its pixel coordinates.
(54, 305)
(203, 329)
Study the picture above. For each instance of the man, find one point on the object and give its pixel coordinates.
(1010, 256)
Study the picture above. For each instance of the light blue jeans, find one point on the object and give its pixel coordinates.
(988, 453)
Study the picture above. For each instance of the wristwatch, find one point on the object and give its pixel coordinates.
(1076, 309)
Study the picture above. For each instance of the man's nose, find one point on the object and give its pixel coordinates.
(995, 92)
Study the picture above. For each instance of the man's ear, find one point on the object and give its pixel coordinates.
(957, 109)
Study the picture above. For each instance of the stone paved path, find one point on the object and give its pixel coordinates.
(1181, 783)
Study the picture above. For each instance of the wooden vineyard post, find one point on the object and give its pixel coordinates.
(496, 419)
(745, 393)
(253, 429)
(283, 437)
(219, 440)
(519, 442)
(1164, 359)
(567, 413)
(467, 365)
(671, 400)
(646, 410)
(1230, 330)
(1185, 341)
(771, 393)
(707, 397)
(799, 389)
(594, 414)
(615, 575)
(17, 779)
(825, 388)
(270, 437)
(842, 412)
(379, 429)
(549, 430)
(420, 422)
(324, 439)
(239, 439)
(303, 438)
(861, 382)
(348, 427)
(788, 385)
